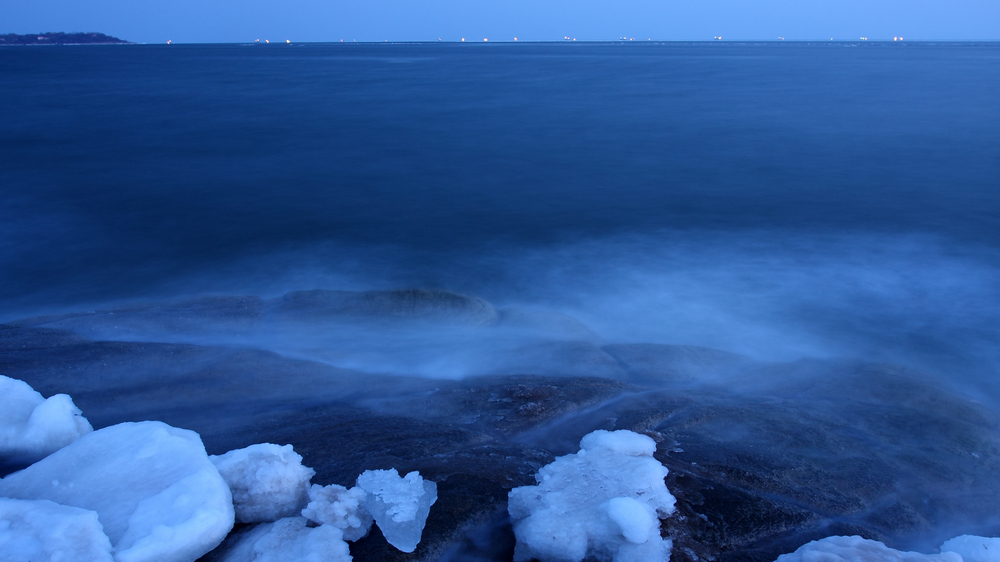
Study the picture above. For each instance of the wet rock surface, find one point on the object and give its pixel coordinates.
(762, 457)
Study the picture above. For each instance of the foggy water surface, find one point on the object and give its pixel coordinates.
(777, 200)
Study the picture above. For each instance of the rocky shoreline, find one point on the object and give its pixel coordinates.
(762, 457)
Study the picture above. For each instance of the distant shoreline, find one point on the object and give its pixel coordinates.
(88, 38)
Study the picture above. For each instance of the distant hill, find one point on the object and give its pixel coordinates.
(58, 39)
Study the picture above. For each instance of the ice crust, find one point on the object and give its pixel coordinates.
(604, 503)
(156, 493)
(268, 481)
(399, 505)
(336, 505)
(974, 549)
(44, 531)
(32, 427)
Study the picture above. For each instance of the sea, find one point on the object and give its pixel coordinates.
(776, 199)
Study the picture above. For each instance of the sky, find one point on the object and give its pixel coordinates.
(227, 21)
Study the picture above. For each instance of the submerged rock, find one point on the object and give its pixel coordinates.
(658, 364)
(403, 304)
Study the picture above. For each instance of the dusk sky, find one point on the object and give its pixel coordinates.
(155, 21)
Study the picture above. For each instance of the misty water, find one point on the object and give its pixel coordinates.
(784, 245)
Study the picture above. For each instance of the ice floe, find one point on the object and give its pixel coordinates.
(156, 494)
(44, 531)
(32, 427)
(268, 481)
(604, 503)
(399, 505)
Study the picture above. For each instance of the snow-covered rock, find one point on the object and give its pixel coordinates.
(44, 531)
(290, 539)
(604, 502)
(268, 481)
(856, 549)
(974, 549)
(156, 493)
(336, 505)
(399, 505)
(32, 427)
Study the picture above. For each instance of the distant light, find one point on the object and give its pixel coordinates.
(515, 39)
(267, 41)
(288, 41)
(895, 38)
(256, 40)
(168, 41)
(463, 38)
(781, 38)
(485, 39)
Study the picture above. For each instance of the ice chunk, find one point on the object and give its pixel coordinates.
(44, 531)
(399, 505)
(32, 427)
(336, 505)
(155, 492)
(268, 481)
(974, 549)
(855, 548)
(604, 502)
(290, 539)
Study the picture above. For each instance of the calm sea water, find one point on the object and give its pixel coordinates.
(780, 199)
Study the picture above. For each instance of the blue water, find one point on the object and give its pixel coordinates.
(777, 199)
